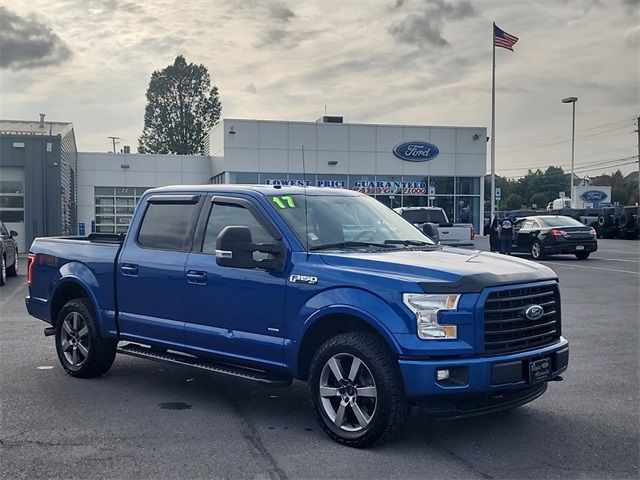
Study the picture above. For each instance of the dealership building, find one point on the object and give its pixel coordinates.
(400, 165)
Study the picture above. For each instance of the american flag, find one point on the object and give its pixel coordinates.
(503, 39)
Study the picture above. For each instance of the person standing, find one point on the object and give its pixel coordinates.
(506, 232)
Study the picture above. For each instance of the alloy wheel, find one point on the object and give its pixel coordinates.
(535, 250)
(74, 339)
(349, 400)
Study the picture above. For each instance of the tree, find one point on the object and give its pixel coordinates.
(513, 202)
(181, 108)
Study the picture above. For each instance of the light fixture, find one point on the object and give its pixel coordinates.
(476, 136)
(124, 165)
(232, 130)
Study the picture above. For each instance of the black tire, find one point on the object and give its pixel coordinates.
(72, 343)
(12, 271)
(388, 412)
(537, 250)
(582, 255)
(3, 273)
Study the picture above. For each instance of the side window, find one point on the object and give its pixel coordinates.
(165, 226)
(528, 224)
(535, 224)
(224, 215)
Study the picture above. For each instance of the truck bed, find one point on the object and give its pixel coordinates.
(90, 260)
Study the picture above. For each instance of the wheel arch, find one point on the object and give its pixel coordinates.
(69, 289)
(325, 325)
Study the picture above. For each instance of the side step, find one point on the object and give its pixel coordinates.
(226, 369)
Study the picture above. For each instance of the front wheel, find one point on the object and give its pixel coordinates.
(582, 255)
(537, 251)
(12, 271)
(357, 390)
(82, 350)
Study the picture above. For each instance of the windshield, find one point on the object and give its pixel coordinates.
(561, 222)
(335, 220)
(423, 216)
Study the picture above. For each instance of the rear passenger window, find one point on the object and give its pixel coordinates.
(165, 226)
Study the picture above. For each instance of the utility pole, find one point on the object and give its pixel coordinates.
(638, 132)
(113, 139)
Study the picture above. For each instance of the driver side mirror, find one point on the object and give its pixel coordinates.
(235, 247)
(13, 233)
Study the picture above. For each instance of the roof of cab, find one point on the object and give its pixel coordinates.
(261, 189)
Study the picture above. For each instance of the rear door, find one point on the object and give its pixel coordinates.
(232, 311)
(150, 271)
(523, 238)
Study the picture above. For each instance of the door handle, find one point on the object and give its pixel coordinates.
(196, 277)
(129, 270)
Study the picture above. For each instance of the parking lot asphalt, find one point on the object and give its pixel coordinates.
(149, 420)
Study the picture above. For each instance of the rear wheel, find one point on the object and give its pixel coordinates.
(537, 250)
(12, 271)
(582, 255)
(3, 275)
(357, 390)
(82, 350)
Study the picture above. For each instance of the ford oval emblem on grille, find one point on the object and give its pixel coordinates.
(533, 312)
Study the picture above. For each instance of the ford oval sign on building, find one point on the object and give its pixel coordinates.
(593, 196)
(416, 151)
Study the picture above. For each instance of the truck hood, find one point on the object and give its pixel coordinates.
(445, 269)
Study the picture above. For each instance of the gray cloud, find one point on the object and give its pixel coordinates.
(251, 88)
(633, 37)
(26, 43)
(424, 26)
(281, 12)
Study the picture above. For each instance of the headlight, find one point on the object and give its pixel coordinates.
(426, 308)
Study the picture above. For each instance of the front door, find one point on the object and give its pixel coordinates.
(522, 242)
(230, 311)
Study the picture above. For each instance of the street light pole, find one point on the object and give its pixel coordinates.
(573, 101)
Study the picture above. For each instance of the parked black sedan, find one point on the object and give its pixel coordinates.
(9, 253)
(553, 234)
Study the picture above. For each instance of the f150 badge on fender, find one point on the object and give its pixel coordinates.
(303, 279)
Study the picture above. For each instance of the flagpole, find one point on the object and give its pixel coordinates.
(493, 127)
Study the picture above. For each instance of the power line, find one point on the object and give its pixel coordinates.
(599, 162)
(601, 168)
(551, 136)
(541, 145)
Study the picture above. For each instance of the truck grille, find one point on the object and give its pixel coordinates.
(506, 329)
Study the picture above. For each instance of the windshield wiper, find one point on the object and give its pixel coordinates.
(349, 244)
(406, 243)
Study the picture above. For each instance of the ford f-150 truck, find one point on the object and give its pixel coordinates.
(272, 284)
(453, 234)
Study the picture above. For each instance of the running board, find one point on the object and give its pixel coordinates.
(188, 361)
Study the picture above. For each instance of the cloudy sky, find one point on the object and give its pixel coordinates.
(425, 62)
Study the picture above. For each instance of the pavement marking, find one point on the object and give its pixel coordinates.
(45, 367)
(636, 260)
(12, 294)
(591, 268)
(616, 251)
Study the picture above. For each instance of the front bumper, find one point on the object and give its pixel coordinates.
(478, 375)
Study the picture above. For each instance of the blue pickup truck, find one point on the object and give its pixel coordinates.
(271, 284)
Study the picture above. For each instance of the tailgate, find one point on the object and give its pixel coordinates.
(455, 235)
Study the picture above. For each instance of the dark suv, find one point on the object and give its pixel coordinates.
(9, 253)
